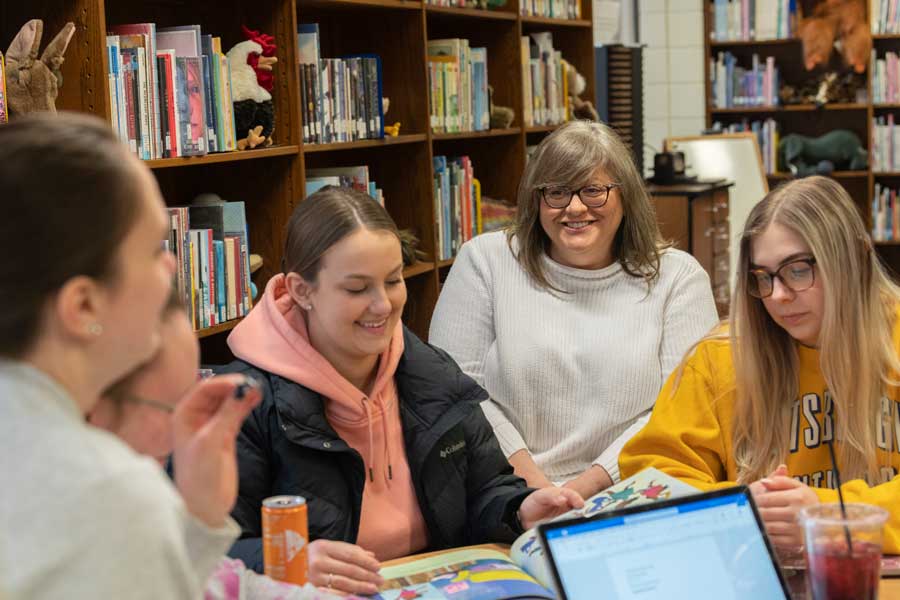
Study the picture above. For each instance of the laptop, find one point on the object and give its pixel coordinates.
(699, 547)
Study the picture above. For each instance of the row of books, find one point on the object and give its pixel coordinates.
(341, 97)
(753, 19)
(210, 244)
(885, 78)
(545, 81)
(885, 215)
(884, 16)
(457, 204)
(170, 91)
(356, 177)
(734, 86)
(885, 144)
(458, 81)
(767, 137)
(556, 9)
(4, 111)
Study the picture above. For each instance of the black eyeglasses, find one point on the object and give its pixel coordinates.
(592, 196)
(797, 276)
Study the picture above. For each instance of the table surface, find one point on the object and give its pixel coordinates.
(889, 589)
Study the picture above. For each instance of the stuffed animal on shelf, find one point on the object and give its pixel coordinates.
(847, 87)
(33, 84)
(392, 130)
(251, 63)
(831, 22)
(837, 150)
(581, 109)
(501, 116)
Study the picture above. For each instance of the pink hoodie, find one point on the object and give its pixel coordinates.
(273, 337)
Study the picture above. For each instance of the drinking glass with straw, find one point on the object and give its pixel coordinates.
(843, 546)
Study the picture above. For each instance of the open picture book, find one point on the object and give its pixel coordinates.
(482, 574)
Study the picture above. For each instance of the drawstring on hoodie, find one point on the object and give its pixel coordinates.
(387, 446)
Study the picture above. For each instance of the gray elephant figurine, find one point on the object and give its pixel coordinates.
(838, 150)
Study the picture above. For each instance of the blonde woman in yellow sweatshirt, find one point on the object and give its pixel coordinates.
(808, 358)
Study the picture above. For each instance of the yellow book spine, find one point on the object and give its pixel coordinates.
(478, 225)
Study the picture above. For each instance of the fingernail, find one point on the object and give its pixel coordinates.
(241, 390)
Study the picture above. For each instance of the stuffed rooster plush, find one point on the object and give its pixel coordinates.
(251, 64)
(830, 21)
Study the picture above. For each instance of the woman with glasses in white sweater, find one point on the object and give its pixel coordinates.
(575, 315)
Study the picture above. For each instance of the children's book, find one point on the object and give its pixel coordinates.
(481, 574)
(467, 574)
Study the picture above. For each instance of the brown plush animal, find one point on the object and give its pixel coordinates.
(831, 21)
(32, 84)
(581, 109)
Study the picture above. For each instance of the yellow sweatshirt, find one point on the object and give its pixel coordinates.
(689, 435)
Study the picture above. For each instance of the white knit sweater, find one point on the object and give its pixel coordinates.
(571, 376)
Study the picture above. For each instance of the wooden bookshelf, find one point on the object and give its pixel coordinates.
(271, 181)
(810, 119)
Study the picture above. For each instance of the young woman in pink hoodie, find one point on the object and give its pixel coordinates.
(381, 433)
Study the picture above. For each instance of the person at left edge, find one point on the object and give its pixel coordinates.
(380, 432)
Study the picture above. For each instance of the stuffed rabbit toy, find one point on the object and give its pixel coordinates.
(34, 84)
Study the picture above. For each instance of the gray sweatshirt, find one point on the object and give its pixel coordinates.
(81, 514)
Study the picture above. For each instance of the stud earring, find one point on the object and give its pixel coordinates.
(95, 329)
(307, 307)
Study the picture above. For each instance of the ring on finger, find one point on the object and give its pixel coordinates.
(330, 578)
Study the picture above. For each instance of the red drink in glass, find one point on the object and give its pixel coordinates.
(834, 574)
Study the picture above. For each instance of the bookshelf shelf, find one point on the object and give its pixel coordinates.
(787, 108)
(531, 21)
(222, 157)
(468, 13)
(886, 173)
(445, 263)
(419, 268)
(356, 4)
(885, 106)
(834, 174)
(472, 135)
(388, 141)
(541, 128)
(888, 243)
(886, 36)
(733, 43)
(217, 329)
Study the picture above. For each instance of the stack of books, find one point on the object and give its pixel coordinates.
(886, 78)
(885, 144)
(458, 80)
(356, 177)
(885, 215)
(210, 244)
(766, 136)
(734, 86)
(884, 16)
(545, 81)
(457, 204)
(170, 91)
(555, 9)
(341, 97)
(747, 20)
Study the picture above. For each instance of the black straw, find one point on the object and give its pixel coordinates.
(837, 481)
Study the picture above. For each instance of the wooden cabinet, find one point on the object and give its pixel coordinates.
(694, 217)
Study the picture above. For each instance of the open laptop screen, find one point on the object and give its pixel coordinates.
(708, 546)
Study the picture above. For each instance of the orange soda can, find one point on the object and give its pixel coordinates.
(285, 538)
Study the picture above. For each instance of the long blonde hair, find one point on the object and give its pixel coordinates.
(856, 349)
(569, 156)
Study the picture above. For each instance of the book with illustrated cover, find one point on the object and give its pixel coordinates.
(466, 574)
(483, 574)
